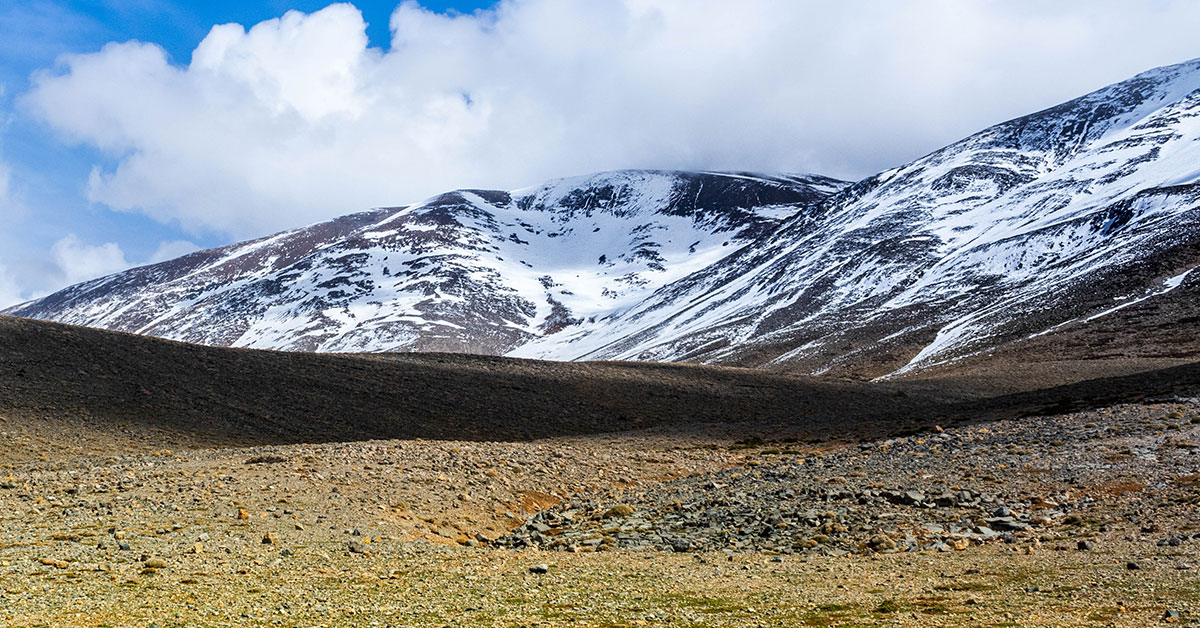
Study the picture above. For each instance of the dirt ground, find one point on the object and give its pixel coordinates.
(408, 532)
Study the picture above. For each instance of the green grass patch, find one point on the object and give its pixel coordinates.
(705, 604)
(830, 614)
(888, 606)
(966, 586)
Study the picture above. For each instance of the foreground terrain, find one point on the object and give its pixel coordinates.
(152, 483)
(1081, 519)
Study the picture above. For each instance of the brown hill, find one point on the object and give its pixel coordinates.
(116, 390)
(74, 390)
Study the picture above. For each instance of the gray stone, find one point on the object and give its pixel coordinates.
(945, 500)
(1006, 524)
(985, 532)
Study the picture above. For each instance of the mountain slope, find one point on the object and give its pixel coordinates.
(1030, 229)
(101, 392)
(1018, 230)
(469, 271)
(69, 391)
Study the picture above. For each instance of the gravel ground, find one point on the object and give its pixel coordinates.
(1001, 482)
(1085, 519)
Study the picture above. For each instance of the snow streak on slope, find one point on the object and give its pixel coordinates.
(472, 270)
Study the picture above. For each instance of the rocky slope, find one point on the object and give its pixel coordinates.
(1029, 229)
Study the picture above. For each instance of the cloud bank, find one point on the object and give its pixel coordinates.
(6, 201)
(9, 206)
(298, 120)
(79, 261)
(71, 260)
(10, 292)
(171, 250)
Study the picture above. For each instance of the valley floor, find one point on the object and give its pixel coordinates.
(1085, 519)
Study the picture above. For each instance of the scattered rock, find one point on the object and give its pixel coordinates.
(620, 510)
(1006, 524)
(266, 460)
(881, 543)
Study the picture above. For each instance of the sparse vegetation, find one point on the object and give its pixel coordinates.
(240, 522)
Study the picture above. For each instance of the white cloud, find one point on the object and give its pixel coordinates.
(69, 261)
(10, 292)
(9, 206)
(298, 120)
(79, 261)
(4, 195)
(172, 249)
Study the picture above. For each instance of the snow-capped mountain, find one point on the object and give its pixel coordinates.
(473, 270)
(1063, 214)
(1021, 230)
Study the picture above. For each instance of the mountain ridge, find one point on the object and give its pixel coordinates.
(466, 245)
(911, 219)
(1019, 231)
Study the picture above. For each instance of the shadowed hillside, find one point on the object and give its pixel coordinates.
(67, 389)
(154, 392)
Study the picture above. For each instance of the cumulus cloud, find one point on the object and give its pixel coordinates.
(79, 261)
(297, 119)
(71, 260)
(4, 194)
(9, 207)
(10, 292)
(172, 249)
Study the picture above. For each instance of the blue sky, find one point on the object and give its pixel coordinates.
(135, 130)
(52, 173)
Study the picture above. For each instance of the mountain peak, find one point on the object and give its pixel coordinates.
(470, 270)
(1033, 227)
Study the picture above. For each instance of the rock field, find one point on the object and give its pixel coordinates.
(1086, 519)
